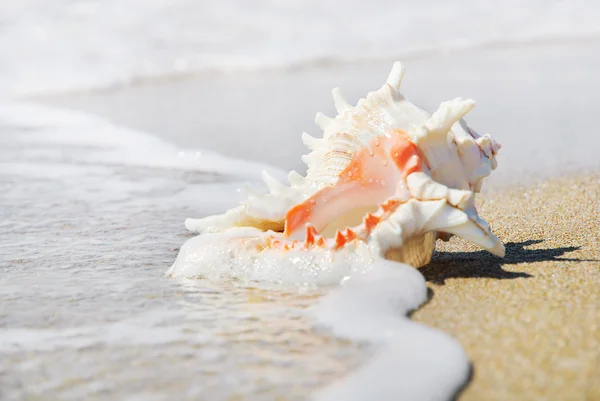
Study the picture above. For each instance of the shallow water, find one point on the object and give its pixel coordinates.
(85, 308)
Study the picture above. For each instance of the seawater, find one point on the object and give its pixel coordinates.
(91, 217)
(86, 234)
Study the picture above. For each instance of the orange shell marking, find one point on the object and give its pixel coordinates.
(406, 156)
(390, 205)
(298, 216)
(370, 222)
(311, 233)
(366, 173)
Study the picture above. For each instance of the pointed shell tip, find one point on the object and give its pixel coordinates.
(322, 120)
(338, 99)
(395, 78)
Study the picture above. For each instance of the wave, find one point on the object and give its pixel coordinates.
(74, 141)
(75, 46)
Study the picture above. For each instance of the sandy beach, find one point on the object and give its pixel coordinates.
(530, 322)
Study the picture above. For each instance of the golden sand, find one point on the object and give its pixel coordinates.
(529, 322)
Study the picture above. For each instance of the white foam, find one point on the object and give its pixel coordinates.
(103, 143)
(414, 362)
(219, 256)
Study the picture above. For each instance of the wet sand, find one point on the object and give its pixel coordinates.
(529, 322)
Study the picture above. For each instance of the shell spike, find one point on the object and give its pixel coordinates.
(295, 178)
(322, 120)
(395, 78)
(311, 142)
(309, 158)
(473, 232)
(275, 186)
(311, 234)
(341, 104)
(423, 187)
(447, 114)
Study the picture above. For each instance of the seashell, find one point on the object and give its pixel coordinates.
(385, 180)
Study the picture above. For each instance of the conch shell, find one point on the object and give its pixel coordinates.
(386, 179)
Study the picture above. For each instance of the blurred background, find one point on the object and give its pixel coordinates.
(245, 78)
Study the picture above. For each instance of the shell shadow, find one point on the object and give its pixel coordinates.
(482, 264)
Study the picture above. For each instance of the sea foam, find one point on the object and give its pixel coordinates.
(369, 303)
(101, 143)
(413, 361)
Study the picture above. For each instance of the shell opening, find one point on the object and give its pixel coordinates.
(350, 219)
